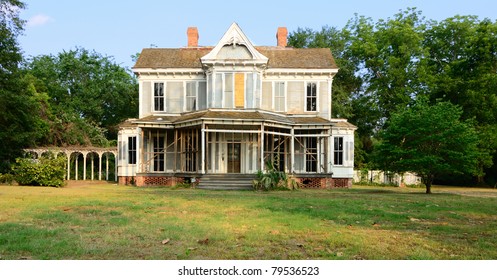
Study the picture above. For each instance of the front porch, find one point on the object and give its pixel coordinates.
(167, 150)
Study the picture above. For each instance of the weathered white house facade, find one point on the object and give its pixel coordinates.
(230, 109)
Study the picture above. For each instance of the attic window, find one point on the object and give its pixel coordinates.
(234, 51)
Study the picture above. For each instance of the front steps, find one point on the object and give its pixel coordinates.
(230, 181)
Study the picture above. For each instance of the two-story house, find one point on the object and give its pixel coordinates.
(230, 109)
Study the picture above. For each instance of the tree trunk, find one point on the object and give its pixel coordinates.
(428, 187)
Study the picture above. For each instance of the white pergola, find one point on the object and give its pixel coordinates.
(85, 151)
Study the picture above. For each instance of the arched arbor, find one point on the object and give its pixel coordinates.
(74, 155)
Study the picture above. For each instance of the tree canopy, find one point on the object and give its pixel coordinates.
(89, 95)
(429, 140)
(388, 64)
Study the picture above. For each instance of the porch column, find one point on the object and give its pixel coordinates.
(68, 166)
(262, 147)
(92, 166)
(77, 161)
(202, 147)
(292, 151)
(100, 166)
(115, 164)
(84, 165)
(330, 151)
(107, 167)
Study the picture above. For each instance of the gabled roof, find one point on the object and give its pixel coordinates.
(269, 57)
(277, 58)
(234, 37)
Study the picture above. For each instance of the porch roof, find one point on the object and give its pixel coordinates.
(242, 116)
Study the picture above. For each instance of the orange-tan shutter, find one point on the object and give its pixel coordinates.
(239, 90)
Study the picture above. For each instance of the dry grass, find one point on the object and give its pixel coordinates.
(105, 221)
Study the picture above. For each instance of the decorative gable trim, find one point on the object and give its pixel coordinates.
(234, 36)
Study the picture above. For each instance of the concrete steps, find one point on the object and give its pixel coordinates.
(226, 181)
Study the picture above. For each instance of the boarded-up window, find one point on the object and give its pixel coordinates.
(267, 95)
(218, 91)
(279, 96)
(295, 93)
(228, 90)
(202, 96)
(174, 97)
(324, 99)
(239, 90)
(146, 99)
(249, 91)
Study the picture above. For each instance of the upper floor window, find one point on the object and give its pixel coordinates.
(132, 150)
(279, 96)
(191, 96)
(338, 151)
(159, 97)
(311, 97)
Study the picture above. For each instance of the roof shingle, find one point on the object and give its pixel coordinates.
(158, 58)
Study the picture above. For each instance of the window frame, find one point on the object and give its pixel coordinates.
(157, 97)
(194, 96)
(337, 152)
(307, 97)
(277, 85)
(132, 150)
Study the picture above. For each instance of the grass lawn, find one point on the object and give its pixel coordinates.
(105, 221)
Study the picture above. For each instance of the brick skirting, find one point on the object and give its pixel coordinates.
(324, 183)
(169, 181)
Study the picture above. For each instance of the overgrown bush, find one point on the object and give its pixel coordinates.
(273, 179)
(6, 179)
(40, 172)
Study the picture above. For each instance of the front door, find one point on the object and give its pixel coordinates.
(234, 157)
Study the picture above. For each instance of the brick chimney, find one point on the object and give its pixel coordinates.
(281, 36)
(192, 33)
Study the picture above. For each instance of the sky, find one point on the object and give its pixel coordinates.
(122, 28)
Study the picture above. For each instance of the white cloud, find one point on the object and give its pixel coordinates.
(39, 20)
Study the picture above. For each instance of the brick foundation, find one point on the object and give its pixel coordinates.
(126, 180)
(167, 181)
(324, 183)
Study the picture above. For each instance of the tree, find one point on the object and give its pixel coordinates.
(429, 141)
(20, 124)
(89, 95)
(462, 65)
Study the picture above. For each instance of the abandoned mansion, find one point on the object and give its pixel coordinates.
(229, 110)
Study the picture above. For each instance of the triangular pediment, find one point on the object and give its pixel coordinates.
(234, 45)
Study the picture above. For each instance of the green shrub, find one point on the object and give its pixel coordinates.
(274, 179)
(6, 179)
(39, 172)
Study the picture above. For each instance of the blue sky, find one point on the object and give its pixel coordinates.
(122, 28)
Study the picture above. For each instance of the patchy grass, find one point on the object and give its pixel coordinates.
(104, 221)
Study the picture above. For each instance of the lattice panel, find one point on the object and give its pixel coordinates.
(310, 183)
(161, 181)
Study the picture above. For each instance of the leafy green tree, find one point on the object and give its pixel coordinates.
(462, 65)
(429, 141)
(89, 95)
(389, 53)
(20, 125)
